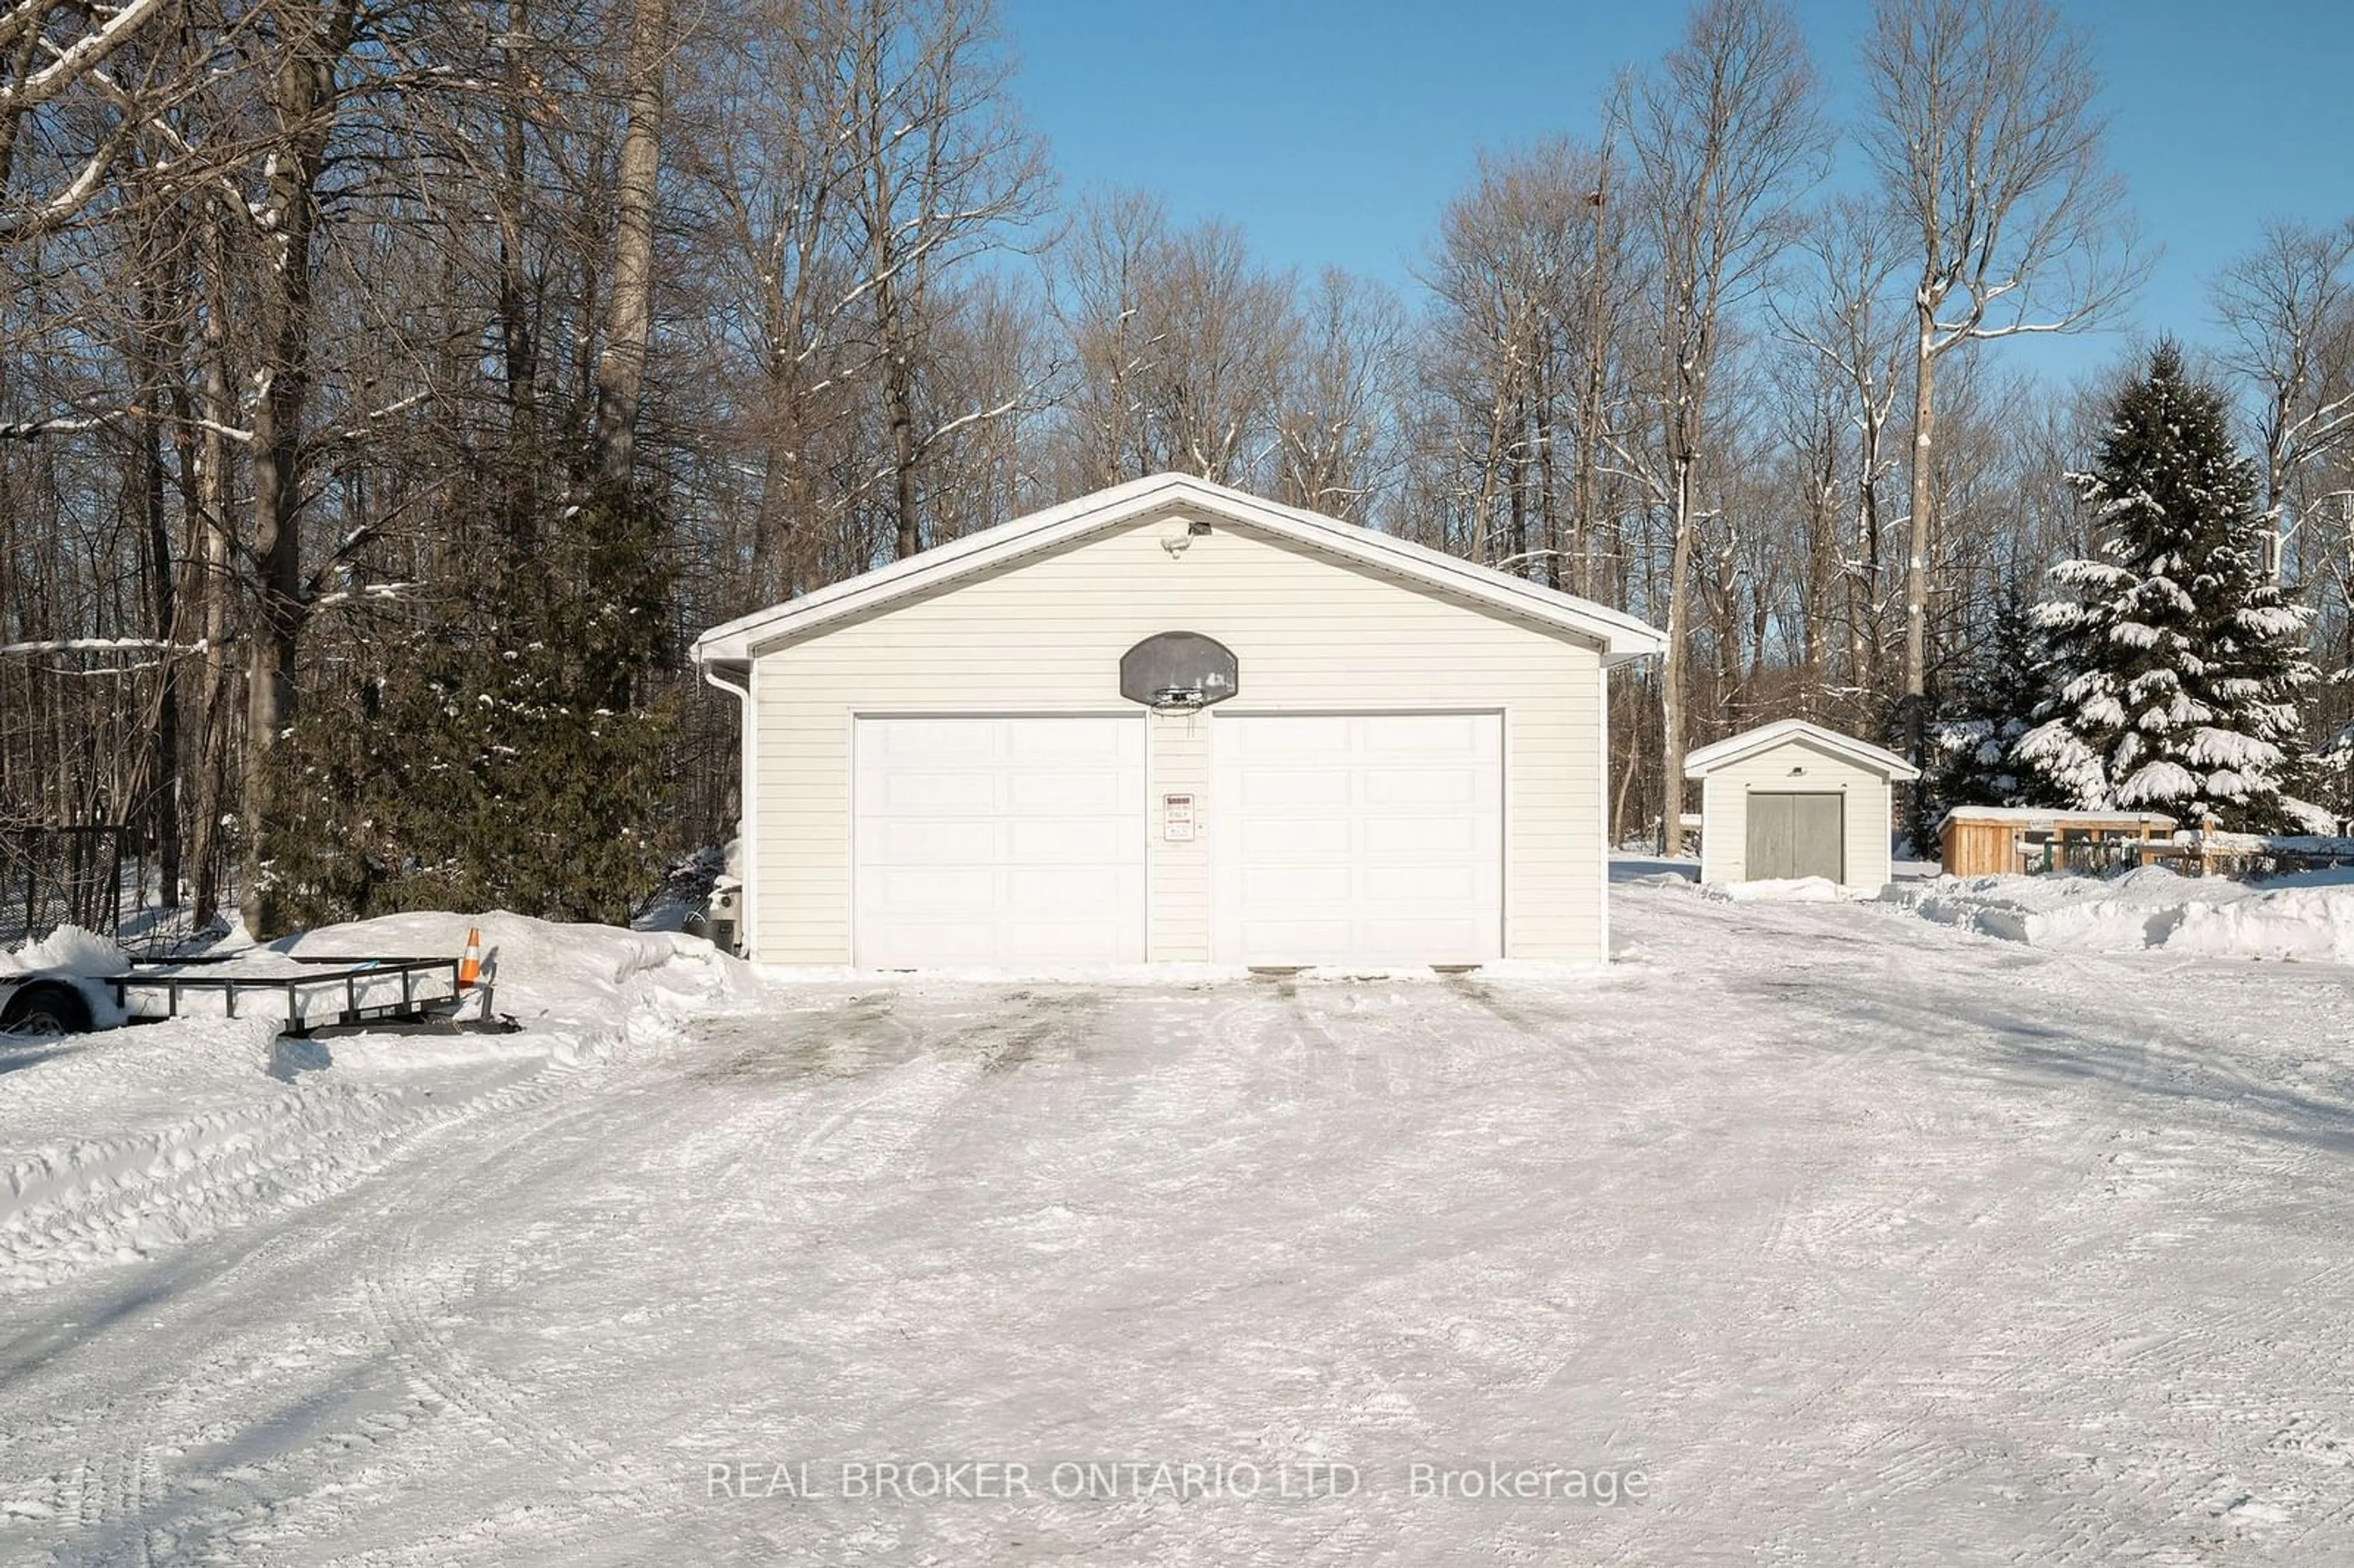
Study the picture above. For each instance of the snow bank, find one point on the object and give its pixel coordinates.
(2311, 923)
(582, 991)
(1776, 890)
(68, 950)
(2308, 918)
(82, 957)
(120, 1143)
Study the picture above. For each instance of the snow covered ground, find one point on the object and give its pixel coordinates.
(1863, 1238)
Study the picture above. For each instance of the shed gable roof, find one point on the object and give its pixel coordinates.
(1623, 637)
(1749, 743)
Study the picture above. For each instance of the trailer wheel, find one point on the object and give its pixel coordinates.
(45, 1008)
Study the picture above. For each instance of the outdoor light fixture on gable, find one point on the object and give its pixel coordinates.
(1177, 543)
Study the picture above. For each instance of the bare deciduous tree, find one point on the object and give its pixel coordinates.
(1179, 347)
(307, 42)
(2288, 307)
(1725, 136)
(51, 55)
(1335, 448)
(1843, 317)
(943, 170)
(1103, 268)
(1988, 141)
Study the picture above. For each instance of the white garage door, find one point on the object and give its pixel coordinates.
(1363, 838)
(997, 840)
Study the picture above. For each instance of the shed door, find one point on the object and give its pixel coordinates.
(1357, 838)
(1796, 835)
(997, 840)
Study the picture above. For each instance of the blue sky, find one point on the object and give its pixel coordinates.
(1333, 131)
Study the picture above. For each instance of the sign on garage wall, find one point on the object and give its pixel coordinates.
(1177, 819)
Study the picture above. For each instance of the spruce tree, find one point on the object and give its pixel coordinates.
(508, 754)
(1971, 760)
(2332, 768)
(2176, 659)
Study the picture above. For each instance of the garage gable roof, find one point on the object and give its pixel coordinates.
(1749, 743)
(1622, 636)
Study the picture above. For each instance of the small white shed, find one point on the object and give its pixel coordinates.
(1793, 798)
(1174, 722)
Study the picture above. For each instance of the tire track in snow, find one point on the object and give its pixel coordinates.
(1609, 1327)
(2125, 1065)
(827, 1051)
(123, 1487)
(1558, 1041)
(1494, 1298)
(400, 1298)
(738, 1153)
(405, 1300)
(851, 1151)
(1573, 1328)
(1812, 1000)
(119, 1488)
(117, 1485)
(388, 1297)
(2117, 1352)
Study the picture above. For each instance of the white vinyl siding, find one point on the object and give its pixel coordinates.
(1312, 635)
(1724, 809)
(1180, 762)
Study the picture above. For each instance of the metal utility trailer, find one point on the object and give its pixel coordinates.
(362, 992)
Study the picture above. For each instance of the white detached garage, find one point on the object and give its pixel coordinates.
(1793, 800)
(1173, 722)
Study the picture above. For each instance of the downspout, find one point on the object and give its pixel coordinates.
(1602, 666)
(718, 675)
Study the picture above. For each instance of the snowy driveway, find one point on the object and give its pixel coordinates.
(1863, 1240)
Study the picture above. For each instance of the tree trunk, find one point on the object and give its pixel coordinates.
(1548, 504)
(519, 344)
(1518, 537)
(1672, 667)
(1916, 558)
(1589, 403)
(303, 95)
(269, 666)
(163, 791)
(899, 398)
(1490, 472)
(1626, 778)
(1863, 575)
(1731, 689)
(621, 369)
(212, 503)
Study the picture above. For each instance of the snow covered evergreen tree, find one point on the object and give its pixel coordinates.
(2333, 779)
(1970, 760)
(2176, 661)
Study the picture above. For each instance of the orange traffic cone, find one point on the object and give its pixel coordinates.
(470, 968)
